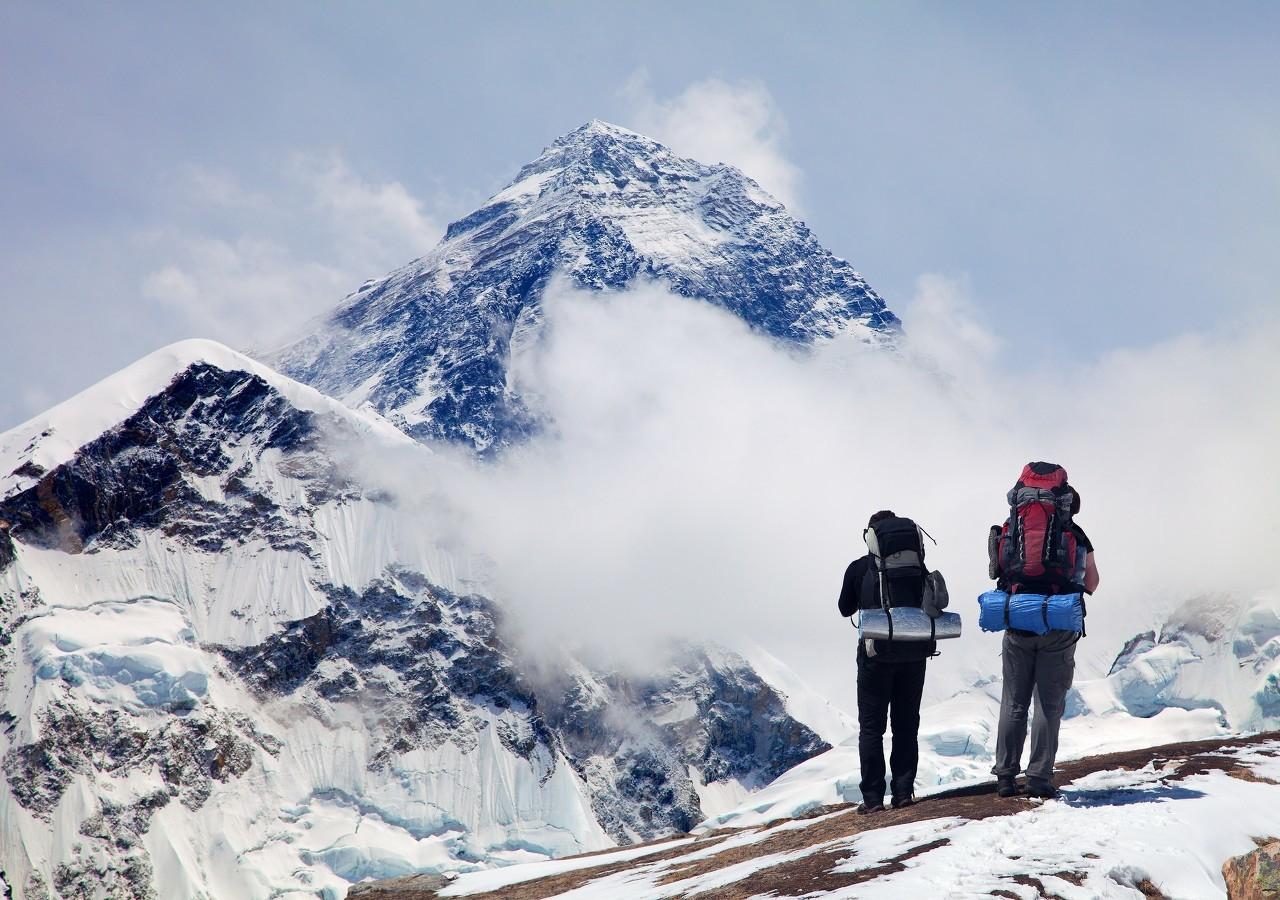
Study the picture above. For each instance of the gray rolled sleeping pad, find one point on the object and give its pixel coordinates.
(907, 623)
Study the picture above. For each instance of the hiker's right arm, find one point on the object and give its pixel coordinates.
(1091, 578)
(849, 590)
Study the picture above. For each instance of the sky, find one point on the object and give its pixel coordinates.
(1098, 175)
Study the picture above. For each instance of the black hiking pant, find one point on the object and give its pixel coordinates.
(889, 693)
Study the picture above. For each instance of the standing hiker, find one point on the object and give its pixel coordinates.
(890, 673)
(1039, 550)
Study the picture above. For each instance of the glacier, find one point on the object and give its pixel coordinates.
(228, 669)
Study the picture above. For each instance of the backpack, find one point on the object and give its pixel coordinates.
(1036, 549)
(897, 577)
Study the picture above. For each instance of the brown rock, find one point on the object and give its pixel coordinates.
(422, 886)
(1255, 875)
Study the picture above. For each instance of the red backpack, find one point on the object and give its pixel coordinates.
(1036, 549)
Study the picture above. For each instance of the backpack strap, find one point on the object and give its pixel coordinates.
(1007, 597)
(1044, 611)
(884, 604)
(1015, 530)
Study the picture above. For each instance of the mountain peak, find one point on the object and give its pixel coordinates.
(430, 345)
(49, 439)
(600, 126)
(603, 155)
(598, 133)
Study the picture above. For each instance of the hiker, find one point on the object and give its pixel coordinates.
(1040, 550)
(890, 673)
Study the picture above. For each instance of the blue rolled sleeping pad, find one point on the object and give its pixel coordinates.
(1037, 613)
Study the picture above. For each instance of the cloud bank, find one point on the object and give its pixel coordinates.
(700, 481)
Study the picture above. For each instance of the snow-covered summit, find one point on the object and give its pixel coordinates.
(51, 438)
(429, 345)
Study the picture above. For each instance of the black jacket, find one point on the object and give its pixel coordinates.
(859, 592)
(851, 590)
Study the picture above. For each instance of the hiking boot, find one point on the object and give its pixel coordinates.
(1038, 787)
(900, 802)
(870, 806)
(1006, 786)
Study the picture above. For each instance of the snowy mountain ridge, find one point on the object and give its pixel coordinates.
(228, 669)
(47, 440)
(430, 345)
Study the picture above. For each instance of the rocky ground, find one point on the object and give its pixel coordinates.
(1095, 841)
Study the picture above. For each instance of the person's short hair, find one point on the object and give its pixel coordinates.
(881, 516)
(1075, 500)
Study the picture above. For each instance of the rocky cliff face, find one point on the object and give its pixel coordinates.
(430, 345)
(182, 465)
(227, 669)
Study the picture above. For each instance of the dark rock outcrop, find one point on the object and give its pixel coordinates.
(426, 662)
(208, 423)
(406, 888)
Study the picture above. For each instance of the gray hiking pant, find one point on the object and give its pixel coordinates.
(1043, 665)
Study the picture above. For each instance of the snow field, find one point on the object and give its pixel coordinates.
(1132, 825)
(130, 655)
(1110, 830)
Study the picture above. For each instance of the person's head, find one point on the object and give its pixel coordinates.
(1075, 500)
(881, 516)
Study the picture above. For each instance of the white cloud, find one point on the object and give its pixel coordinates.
(245, 291)
(945, 329)
(384, 221)
(202, 186)
(249, 264)
(702, 482)
(719, 121)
